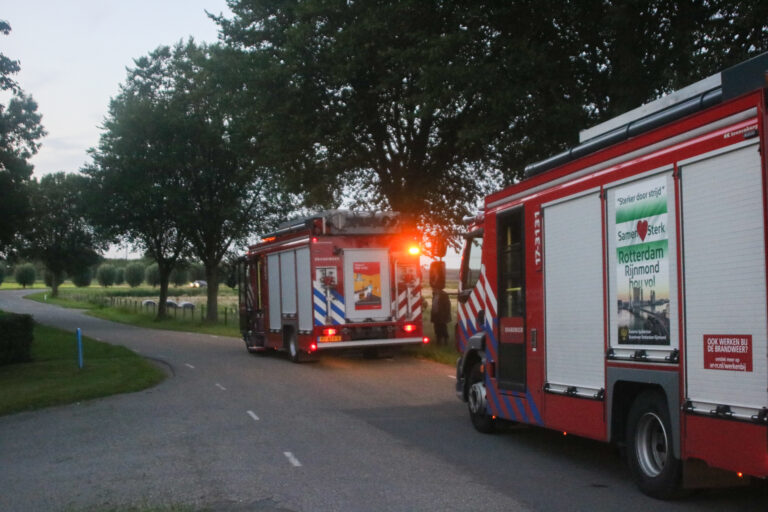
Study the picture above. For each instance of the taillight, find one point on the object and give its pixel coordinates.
(425, 340)
(313, 347)
(409, 327)
(329, 331)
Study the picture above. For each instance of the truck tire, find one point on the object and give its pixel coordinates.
(476, 401)
(650, 441)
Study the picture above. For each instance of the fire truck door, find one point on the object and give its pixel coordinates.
(366, 284)
(512, 353)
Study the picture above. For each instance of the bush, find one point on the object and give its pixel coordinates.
(179, 276)
(119, 276)
(152, 275)
(25, 274)
(134, 274)
(15, 338)
(106, 274)
(83, 279)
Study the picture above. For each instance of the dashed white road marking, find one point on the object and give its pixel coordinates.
(187, 364)
(292, 459)
(220, 387)
(253, 415)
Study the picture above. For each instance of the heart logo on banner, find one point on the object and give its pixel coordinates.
(642, 229)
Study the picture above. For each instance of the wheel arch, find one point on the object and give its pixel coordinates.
(474, 353)
(625, 385)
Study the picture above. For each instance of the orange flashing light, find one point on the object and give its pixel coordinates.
(740, 474)
(268, 239)
(414, 250)
(565, 433)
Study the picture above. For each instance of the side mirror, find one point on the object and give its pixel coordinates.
(437, 275)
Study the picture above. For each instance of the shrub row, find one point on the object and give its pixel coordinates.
(15, 338)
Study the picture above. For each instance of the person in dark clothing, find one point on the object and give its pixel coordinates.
(441, 315)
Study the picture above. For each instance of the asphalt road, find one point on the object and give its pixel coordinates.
(232, 431)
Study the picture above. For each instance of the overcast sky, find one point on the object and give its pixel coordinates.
(74, 53)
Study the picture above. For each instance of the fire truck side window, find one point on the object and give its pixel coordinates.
(511, 264)
(472, 256)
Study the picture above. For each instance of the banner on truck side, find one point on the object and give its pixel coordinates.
(642, 262)
(367, 282)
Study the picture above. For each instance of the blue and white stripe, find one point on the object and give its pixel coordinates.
(321, 306)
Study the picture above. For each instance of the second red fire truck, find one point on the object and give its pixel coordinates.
(334, 280)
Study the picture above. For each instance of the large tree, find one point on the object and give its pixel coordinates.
(177, 156)
(136, 186)
(411, 102)
(231, 194)
(59, 234)
(20, 131)
(377, 96)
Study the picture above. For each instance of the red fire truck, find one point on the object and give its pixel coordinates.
(335, 280)
(618, 292)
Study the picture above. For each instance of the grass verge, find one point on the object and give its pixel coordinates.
(172, 324)
(62, 300)
(445, 354)
(53, 378)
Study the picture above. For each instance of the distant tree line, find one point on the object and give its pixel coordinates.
(420, 107)
(134, 273)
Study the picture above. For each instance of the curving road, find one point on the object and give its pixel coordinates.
(231, 431)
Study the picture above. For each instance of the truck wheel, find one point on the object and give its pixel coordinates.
(650, 439)
(477, 403)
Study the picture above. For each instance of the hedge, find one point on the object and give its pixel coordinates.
(15, 338)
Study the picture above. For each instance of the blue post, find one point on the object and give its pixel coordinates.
(79, 348)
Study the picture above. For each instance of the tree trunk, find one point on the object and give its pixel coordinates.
(212, 276)
(55, 282)
(162, 305)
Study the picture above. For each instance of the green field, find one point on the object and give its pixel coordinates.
(53, 377)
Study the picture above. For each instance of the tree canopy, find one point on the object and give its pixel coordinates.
(413, 105)
(20, 132)
(176, 166)
(136, 186)
(379, 97)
